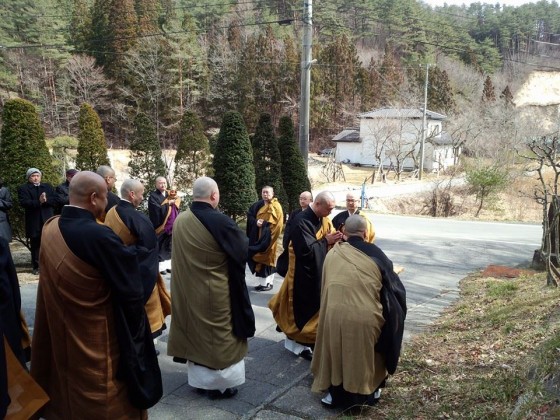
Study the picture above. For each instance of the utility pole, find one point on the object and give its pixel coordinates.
(305, 80)
(423, 140)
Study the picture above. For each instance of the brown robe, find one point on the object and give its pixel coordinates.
(79, 369)
(350, 322)
(158, 305)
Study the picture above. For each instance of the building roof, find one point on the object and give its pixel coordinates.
(442, 140)
(412, 113)
(348, 135)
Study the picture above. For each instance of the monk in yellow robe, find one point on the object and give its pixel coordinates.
(264, 214)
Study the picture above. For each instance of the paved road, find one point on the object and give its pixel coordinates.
(436, 254)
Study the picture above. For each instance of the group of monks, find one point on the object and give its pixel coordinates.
(101, 299)
(329, 305)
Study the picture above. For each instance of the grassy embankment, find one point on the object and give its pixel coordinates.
(493, 354)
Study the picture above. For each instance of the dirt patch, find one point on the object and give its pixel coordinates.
(500, 271)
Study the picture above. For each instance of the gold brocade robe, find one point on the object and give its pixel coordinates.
(273, 214)
(158, 305)
(282, 303)
(350, 322)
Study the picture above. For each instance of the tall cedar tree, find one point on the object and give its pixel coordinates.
(22, 146)
(92, 148)
(98, 34)
(145, 162)
(193, 151)
(392, 76)
(267, 160)
(121, 35)
(233, 166)
(440, 93)
(294, 174)
(337, 81)
(147, 12)
(488, 92)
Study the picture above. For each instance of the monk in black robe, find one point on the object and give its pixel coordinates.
(296, 306)
(134, 227)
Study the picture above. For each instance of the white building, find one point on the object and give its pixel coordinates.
(392, 136)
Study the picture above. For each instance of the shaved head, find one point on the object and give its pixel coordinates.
(88, 190)
(205, 189)
(355, 225)
(305, 198)
(323, 204)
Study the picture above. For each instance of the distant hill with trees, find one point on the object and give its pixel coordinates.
(164, 57)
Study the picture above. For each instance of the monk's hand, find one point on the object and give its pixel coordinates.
(43, 198)
(260, 222)
(333, 237)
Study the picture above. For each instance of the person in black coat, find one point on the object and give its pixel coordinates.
(62, 190)
(5, 205)
(38, 200)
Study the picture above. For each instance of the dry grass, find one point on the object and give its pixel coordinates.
(491, 355)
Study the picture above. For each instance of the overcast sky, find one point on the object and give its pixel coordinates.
(460, 2)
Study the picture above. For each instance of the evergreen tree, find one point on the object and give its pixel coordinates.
(100, 13)
(440, 93)
(80, 25)
(146, 163)
(22, 146)
(92, 148)
(267, 160)
(193, 151)
(294, 174)
(507, 97)
(147, 12)
(488, 93)
(233, 166)
(120, 36)
(391, 76)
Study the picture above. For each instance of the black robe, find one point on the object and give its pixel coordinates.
(156, 210)
(104, 250)
(10, 324)
(283, 260)
(257, 244)
(158, 213)
(112, 200)
(340, 219)
(141, 227)
(234, 243)
(62, 196)
(310, 254)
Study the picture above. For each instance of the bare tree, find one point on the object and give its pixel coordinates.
(545, 161)
(82, 81)
(381, 133)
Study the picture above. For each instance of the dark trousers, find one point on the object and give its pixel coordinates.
(164, 245)
(35, 244)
